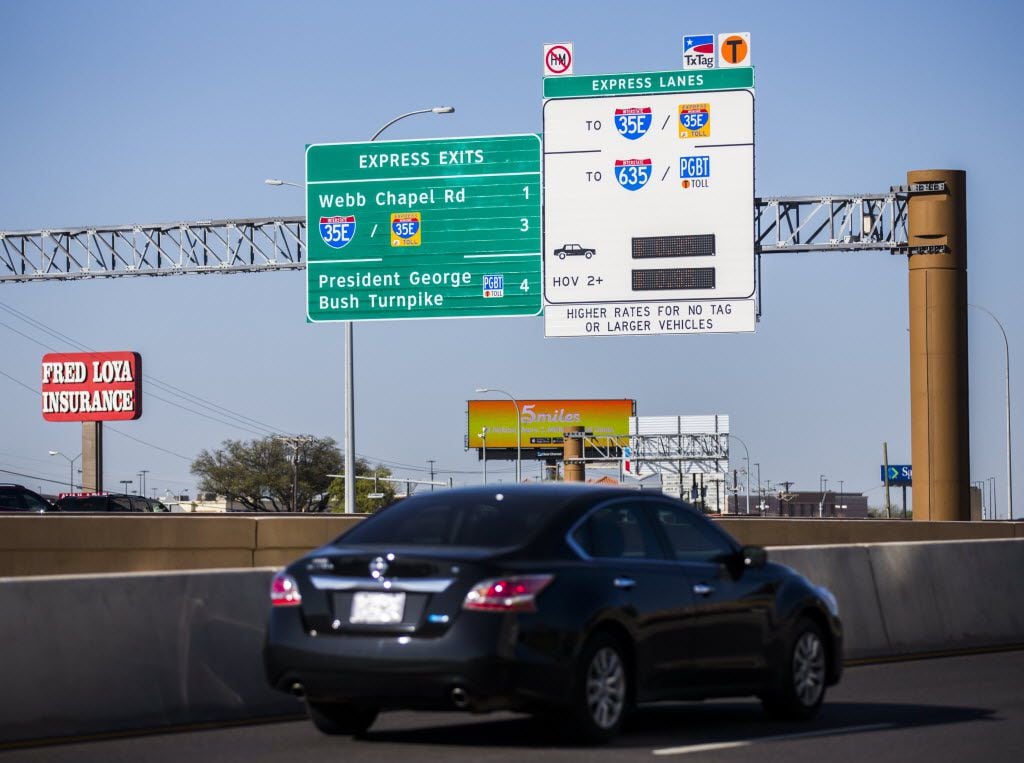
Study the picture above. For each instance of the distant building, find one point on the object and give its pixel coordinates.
(806, 503)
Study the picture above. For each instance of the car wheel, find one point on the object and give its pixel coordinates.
(588, 254)
(800, 685)
(561, 255)
(341, 718)
(601, 690)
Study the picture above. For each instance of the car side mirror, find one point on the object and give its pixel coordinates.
(753, 557)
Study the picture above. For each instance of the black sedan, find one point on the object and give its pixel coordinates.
(560, 599)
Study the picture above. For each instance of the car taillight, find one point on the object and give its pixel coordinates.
(511, 594)
(284, 591)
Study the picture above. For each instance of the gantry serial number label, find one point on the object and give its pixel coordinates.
(440, 228)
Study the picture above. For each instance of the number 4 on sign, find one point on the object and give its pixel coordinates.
(525, 285)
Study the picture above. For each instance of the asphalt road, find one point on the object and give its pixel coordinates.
(968, 708)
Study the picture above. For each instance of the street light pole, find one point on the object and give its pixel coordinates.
(483, 439)
(350, 395)
(747, 457)
(1009, 456)
(519, 429)
(71, 468)
(350, 398)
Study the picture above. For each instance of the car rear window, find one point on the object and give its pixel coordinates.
(491, 523)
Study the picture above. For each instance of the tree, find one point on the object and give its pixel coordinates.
(259, 474)
(364, 487)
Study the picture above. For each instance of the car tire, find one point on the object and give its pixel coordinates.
(800, 684)
(588, 254)
(601, 690)
(561, 255)
(341, 718)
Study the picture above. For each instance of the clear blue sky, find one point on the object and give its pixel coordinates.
(137, 112)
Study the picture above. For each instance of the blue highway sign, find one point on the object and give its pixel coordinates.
(899, 474)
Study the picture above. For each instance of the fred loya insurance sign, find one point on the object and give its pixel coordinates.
(92, 386)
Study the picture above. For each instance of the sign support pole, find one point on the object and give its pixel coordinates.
(939, 413)
(92, 456)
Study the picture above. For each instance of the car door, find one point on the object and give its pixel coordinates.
(732, 613)
(631, 564)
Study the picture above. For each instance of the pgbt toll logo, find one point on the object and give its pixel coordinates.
(699, 51)
(695, 171)
(494, 286)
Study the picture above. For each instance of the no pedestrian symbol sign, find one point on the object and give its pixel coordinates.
(557, 59)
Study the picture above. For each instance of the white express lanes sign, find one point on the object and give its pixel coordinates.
(649, 213)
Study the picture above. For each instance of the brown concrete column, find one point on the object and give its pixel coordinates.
(92, 456)
(939, 415)
(572, 448)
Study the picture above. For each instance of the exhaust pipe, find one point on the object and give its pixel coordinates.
(459, 698)
(298, 690)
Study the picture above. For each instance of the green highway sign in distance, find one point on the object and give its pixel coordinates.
(438, 228)
(591, 85)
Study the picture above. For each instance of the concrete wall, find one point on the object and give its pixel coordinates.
(913, 598)
(69, 544)
(100, 653)
(90, 654)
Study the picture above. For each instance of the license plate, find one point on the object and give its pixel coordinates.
(377, 608)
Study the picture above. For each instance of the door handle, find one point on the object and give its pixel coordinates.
(624, 582)
(702, 589)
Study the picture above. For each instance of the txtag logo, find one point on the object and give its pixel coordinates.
(699, 51)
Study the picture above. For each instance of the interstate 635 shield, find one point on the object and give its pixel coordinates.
(632, 174)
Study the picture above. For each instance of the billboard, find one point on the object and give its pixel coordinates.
(92, 386)
(543, 422)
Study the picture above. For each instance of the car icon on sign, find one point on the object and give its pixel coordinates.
(573, 250)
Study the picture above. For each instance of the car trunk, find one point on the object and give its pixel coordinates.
(412, 591)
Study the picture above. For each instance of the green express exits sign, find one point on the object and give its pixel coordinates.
(441, 228)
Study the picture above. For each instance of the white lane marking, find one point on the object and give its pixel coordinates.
(687, 749)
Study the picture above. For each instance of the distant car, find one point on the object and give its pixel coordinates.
(573, 250)
(106, 502)
(573, 600)
(20, 498)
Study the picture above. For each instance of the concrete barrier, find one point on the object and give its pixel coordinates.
(101, 653)
(914, 598)
(90, 654)
(847, 572)
(70, 545)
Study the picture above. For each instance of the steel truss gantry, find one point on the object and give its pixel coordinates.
(207, 246)
(832, 223)
(781, 224)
